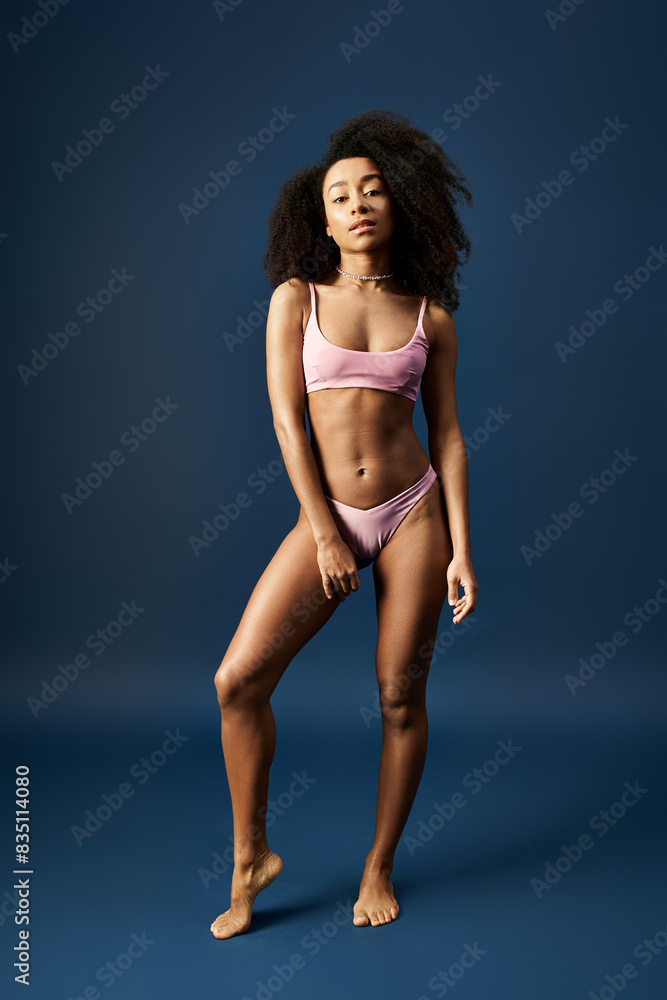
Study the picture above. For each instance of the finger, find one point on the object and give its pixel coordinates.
(467, 605)
(354, 580)
(453, 591)
(469, 592)
(461, 612)
(327, 586)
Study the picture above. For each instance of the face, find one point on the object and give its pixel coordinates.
(355, 191)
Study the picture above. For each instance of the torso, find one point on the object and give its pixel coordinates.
(363, 440)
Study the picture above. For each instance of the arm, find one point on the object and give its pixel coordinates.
(447, 453)
(284, 371)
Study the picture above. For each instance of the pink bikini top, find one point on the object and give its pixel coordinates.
(327, 366)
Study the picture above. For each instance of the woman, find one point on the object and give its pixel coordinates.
(340, 344)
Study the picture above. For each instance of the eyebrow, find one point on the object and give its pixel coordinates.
(366, 177)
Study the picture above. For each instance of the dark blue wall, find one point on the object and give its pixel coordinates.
(576, 261)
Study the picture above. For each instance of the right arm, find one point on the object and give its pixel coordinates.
(287, 393)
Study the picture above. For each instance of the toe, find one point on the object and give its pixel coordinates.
(360, 919)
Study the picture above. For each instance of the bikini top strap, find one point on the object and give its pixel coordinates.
(422, 310)
(312, 307)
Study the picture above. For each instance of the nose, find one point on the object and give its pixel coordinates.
(358, 204)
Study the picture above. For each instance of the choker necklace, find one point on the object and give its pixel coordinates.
(365, 277)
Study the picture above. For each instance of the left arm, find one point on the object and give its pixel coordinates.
(447, 453)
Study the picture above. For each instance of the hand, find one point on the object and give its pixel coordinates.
(338, 568)
(461, 573)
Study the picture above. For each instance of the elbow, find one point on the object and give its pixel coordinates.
(287, 430)
(450, 446)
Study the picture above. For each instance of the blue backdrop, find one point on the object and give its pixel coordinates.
(145, 145)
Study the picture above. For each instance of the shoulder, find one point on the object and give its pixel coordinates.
(291, 294)
(288, 308)
(439, 325)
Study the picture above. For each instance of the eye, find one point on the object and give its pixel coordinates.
(372, 191)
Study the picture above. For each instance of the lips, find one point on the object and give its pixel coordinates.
(362, 224)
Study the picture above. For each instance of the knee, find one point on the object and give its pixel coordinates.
(226, 684)
(401, 704)
(234, 684)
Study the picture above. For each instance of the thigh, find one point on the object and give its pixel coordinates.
(286, 608)
(411, 587)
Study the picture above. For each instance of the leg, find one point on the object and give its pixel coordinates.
(411, 587)
(286, 608)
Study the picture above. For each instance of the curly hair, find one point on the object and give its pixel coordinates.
(429, 243)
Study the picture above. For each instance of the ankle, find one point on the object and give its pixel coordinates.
(247, 859)
(378, 866)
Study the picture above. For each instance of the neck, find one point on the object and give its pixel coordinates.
(366, 264)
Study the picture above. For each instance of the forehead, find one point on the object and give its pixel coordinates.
(352, 170)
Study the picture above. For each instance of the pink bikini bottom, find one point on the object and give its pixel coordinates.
(368, 531)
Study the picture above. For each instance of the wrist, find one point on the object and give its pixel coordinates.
(326, 537)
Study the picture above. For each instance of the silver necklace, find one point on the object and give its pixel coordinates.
(365, 277)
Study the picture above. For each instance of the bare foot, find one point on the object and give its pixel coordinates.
(247, 883)
(376, 904)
